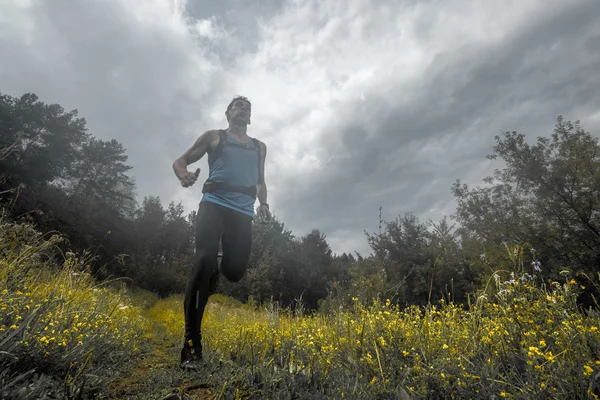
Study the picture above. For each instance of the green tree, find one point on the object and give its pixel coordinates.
(452, 275)
(164, 246)
(315, 258)
(547, 195)
(101, 173)
(48, 139)
(403, 251)
(419, 262)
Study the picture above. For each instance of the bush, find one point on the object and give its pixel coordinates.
(519, 337)
(60, 332)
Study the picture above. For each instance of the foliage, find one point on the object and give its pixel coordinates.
(520, 337)
(46, 139)
(57, 172)
(100, 173)
(286, 269)
(546, 195)
(412, 262)
(489, 308)
(164, 252)
(55, 318)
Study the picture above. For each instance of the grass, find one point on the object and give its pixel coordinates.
(61, 333)
(529, 342)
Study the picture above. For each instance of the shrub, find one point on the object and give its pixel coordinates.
(520, 337)
(60, 332)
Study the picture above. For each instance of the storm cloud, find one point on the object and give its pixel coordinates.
(362, 104)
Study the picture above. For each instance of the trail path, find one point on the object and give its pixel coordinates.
(156, 374)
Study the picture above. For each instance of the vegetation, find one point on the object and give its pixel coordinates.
(60, 331)
(517, 338)
(502, 304)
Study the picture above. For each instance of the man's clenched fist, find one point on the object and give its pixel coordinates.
(189, 178)
(263, 212)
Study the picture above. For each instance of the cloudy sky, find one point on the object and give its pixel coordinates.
(361, 103)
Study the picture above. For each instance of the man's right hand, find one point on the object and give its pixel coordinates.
(189, 178)
(191, 155)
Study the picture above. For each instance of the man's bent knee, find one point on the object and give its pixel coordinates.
(234, 274)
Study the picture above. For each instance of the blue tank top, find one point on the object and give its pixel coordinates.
(235, 163)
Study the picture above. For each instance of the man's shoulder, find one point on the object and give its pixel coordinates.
(261, 144)
(213, 133)
(209, 137)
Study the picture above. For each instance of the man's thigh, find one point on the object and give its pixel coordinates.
(210, 224)
(237, 244)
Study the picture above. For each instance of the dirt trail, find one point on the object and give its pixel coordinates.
(156, 374)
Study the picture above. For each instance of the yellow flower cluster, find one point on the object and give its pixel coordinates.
(62, 318)
(519, 339)
(460, 348)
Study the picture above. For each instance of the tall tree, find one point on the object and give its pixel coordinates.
(419, 262)
(403, 250)
(48, 138)
(548, 195)
(452, 274)
(101, 173)
(316, 257)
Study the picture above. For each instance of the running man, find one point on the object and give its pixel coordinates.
(225, 214)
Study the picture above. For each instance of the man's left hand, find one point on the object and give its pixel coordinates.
(264, 212)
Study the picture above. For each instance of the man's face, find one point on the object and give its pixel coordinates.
(240, 112)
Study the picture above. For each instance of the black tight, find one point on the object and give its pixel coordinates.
(214, 223)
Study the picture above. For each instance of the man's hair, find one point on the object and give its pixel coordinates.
(236, 99)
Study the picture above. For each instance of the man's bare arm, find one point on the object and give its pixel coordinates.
(262, 186)
(191, 155)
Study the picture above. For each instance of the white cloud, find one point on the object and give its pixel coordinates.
(421, 86)
(207, 28)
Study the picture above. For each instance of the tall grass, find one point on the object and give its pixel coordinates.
(64, 335)
(61, 334)
(518, 339)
